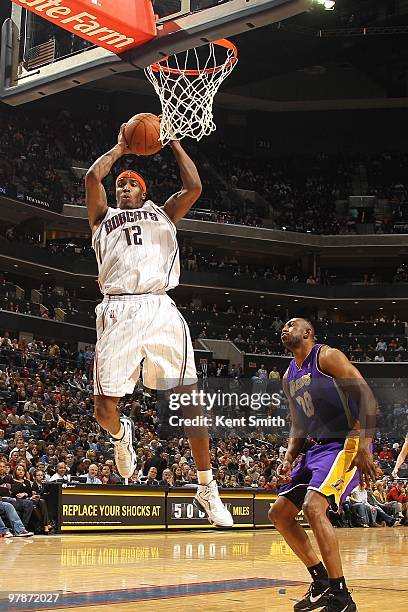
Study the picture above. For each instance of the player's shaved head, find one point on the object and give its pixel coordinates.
(296, 332)
(308, 326)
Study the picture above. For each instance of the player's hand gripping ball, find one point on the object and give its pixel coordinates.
(122, 140)
(142, 133)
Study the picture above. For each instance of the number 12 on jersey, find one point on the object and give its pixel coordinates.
(133, 235)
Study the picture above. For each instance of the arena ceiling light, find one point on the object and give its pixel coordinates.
(328, 5)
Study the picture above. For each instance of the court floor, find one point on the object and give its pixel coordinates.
(199, 571)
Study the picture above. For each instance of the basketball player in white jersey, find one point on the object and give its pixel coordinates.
(138, 259)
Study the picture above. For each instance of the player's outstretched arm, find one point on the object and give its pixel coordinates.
(180, 203)
(401, 458)
(334, 363)
(96, 200)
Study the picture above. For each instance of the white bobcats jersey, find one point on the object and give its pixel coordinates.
(137, 251)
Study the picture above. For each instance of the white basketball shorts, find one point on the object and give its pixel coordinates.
(141, 327)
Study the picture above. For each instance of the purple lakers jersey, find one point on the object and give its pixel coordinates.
(325, 411)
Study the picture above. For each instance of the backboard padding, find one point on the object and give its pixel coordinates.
(174, 35)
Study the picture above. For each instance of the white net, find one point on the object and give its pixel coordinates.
(186, 89)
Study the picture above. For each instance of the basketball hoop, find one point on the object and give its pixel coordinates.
(186, 85)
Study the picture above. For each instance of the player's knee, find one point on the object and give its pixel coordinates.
(278, 516)
(273, 515)
(312, 511)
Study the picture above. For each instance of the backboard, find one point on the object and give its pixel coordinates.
(39, 59)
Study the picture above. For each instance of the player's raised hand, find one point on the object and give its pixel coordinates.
(394, 473)
(283, 472)
(364, 463)
(121, 138)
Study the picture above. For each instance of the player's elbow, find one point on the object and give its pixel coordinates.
(195, 191)
(198, 191)
(91, 177)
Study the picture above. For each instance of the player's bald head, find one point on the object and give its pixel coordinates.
(307, 326)
(300, 323)
(297, 331)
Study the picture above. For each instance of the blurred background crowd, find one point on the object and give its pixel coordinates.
(48, 435)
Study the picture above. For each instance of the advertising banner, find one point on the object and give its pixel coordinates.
(100, 508)
(10, 191)
(182, 513)
(262, 504)
(116, 507)
(115, 26)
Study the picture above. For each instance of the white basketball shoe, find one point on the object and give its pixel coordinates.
(208, 500)
(125, 456)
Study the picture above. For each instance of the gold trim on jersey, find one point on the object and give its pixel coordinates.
(340, 475)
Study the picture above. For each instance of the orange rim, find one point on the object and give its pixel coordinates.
(222, 42)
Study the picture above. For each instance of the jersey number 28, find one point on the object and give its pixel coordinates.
(306, 403)
(135, 237)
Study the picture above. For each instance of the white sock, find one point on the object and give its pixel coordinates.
(204, 477)
(119, 434)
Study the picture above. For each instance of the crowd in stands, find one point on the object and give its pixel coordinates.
(195, 258)
(302, 190)
(48, 435)
(401, 275)
(255, 330)
(379, 504)
(386, 178)
(30, 157)
(201, 259)
(52, 302)
(298, 193)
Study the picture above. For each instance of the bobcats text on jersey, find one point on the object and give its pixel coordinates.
(137, 251)
(127, 216)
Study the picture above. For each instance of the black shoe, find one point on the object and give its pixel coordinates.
(316, 597)
(340, 604)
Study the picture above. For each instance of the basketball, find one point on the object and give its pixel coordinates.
(142, 134)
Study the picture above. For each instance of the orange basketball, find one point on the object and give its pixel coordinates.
(142, 134)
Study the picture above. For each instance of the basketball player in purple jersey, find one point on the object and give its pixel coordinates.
(333, 417)
(138, 260)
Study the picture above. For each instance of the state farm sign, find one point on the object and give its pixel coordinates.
(117, 26)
